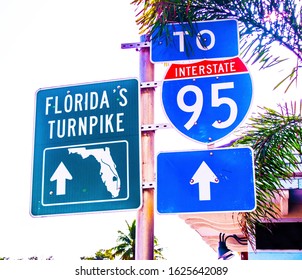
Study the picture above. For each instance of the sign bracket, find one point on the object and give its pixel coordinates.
(148, 185)
(150, 84)
(151, 127)
(135, 45)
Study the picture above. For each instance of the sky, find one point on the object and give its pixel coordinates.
(54, 43)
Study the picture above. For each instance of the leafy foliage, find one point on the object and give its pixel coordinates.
(262, 24)
(125, 248)
(33, 258)
(126, 243)
(276, 139)
(102, 254)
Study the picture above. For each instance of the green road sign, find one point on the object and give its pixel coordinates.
(87, 148)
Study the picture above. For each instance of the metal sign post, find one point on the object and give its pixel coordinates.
(145, 216)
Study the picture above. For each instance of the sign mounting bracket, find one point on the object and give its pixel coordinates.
(150, 127)
(135, 45)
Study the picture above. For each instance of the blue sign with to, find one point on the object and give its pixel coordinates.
(208, 39)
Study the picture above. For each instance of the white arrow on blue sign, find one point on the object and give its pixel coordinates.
(209, 39)
(207, 100)
(218, 180)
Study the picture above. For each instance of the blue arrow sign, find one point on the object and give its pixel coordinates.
(207, 100)
(218, 180)
(87, 148)
(209, 39)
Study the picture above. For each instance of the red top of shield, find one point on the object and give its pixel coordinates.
(205, 68)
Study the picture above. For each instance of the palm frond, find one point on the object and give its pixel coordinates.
(276, 139)
(125, 248)
(262, 24)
